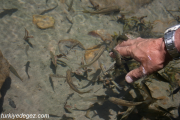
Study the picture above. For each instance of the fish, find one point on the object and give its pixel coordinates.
(26, 69)
(69, 81)
(121, 102)
(27, 48)
(128, 111)
(8, 12)
(53, 59)
(70, 6)
(102, 49)
(26, 37)
(120, 60)
(118, 57)
(51, 82)
(107, 10)
(146, 89)
(11, 103)
(175, 91)
(48, 10)
(12, 69)
(62, 63)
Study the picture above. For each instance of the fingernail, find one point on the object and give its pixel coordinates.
(128, 79)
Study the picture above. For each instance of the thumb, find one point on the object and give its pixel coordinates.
(135, 74)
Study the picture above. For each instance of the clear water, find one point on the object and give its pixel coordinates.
(35, 95)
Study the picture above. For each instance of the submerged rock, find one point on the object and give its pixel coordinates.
(4, 70)
(43, 21)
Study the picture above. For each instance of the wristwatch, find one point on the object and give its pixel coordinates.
(169, 41)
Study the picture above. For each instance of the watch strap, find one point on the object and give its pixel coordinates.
(169, 41)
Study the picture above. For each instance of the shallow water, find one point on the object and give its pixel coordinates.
(35, 95)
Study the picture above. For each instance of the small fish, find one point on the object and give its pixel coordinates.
(146, 89)
(26, 37)
(60, 62)
(128, 111)
(51, 82)
(12, 69)
(107, 10)
(120, 60)
(102, 49)
(175, 91)
(48, 10)
(53, 59)
(69, 81)
(27, 66)
(8, 12)
(118, 57)
(121, 102)
(11, 103)
(70, 6)
(26, 50)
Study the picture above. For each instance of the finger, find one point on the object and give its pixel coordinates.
(129, 42)
(135, 74)
(125, 51)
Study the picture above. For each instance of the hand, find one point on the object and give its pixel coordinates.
(151, 53)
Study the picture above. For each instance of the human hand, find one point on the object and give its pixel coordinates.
(151, 53)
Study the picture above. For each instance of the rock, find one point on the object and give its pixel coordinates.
(43, 21)
(4, 70)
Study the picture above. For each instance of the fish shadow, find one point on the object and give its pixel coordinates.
(6, 85)
(8, 12)
(53, 67)
(103, 110)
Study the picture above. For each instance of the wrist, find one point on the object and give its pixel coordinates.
(169, 39)
(177, 39)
